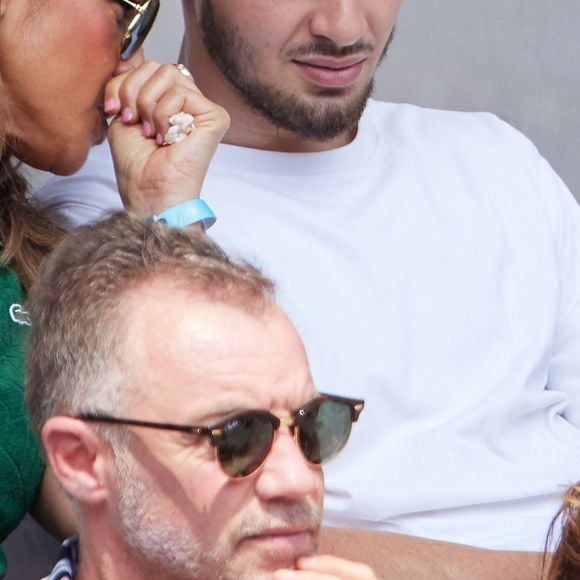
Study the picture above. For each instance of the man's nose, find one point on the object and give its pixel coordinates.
(341, 21)
(286, 475)
(133, 62)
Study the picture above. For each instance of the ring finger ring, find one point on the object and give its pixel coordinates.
(183, 70)
(180, 126)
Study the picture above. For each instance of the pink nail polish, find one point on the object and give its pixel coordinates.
(127, 114)
(110, 106)
(159, 139)
(146, 128)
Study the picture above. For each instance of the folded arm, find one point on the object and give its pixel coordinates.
(400, 557)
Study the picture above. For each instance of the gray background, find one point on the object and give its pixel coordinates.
(516, 58)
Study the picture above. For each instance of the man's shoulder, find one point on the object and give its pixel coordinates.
(440, 136)
(413, 121)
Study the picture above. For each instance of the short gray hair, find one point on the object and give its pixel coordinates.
(76, 360)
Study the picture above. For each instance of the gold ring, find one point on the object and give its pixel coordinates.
(183, 70)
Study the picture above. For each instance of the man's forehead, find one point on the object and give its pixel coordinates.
(180, 311)
(219, 357)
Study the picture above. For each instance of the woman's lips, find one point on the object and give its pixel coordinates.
(331, 73)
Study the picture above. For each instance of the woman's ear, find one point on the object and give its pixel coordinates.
(78, 457)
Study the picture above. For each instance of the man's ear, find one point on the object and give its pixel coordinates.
(78, 457)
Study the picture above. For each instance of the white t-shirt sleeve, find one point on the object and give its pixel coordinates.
(564, 373)
(563, 214)
(85, 197)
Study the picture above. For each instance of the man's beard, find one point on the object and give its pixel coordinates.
(322, 117)
(160, 544)
(155, 541)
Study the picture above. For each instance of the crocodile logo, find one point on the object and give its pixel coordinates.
(19, 315)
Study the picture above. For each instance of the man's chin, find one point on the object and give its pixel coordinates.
(322, 116)
(261, 557)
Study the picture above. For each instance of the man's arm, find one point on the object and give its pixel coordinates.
(400, 557)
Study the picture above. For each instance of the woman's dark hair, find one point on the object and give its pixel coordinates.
(26, 234)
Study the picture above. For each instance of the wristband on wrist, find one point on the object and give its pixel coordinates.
(187, 213)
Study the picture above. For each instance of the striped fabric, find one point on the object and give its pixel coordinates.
(66, 567)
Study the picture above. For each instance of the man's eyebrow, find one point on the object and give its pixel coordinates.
(217, 415)
(220, 414)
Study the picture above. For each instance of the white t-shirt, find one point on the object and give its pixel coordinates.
(432, 267)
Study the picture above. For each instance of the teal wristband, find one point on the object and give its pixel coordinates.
(189, 212)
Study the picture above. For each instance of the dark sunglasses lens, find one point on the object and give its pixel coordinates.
(324, 430)
(245, 443)
(138, 30)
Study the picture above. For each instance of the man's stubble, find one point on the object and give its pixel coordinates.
(159, 542)
(320, 117)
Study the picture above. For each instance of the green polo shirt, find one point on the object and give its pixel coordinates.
(21, 463)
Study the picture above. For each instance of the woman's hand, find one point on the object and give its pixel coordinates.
(153, 177)
(326, 568)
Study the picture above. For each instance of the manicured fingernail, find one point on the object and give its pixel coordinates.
(146, 128)
(110, 106)
(127, 114)
(159, 139)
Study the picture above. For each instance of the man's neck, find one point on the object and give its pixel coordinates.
(250, 129)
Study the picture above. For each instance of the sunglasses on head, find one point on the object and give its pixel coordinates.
(139, 27)
(243, 441)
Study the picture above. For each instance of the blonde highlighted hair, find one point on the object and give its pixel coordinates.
(26, 234)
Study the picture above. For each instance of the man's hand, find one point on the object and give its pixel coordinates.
(326, 568)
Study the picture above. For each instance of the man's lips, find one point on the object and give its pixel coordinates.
(289, 540)
(331, 72)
